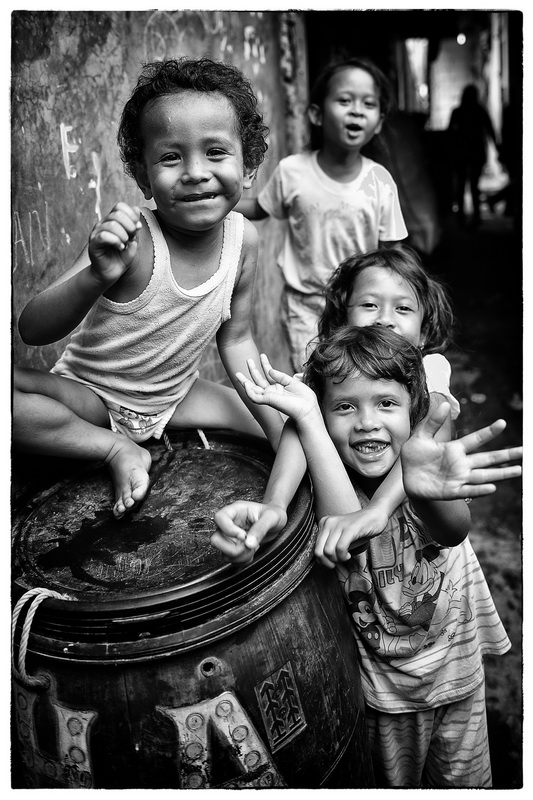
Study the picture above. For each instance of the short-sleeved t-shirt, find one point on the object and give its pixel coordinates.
(327, 220)
(423, 616)
(438, 374)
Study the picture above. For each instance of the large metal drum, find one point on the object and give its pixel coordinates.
(158, 665)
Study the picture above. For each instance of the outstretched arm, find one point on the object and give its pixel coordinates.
(341, 535)
(438, 475)
(243, 525)
(333, 488)
(234, 338)
(251, 208)
(305, 433)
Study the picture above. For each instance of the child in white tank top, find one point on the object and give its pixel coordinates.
(151, 289)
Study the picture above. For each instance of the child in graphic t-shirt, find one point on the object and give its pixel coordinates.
(422, 613)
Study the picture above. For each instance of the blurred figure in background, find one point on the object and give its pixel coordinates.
(470, 131)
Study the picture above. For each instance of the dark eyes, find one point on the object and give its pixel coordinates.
(213, 152)
(344, 407)
(368, 103)
(403, 309)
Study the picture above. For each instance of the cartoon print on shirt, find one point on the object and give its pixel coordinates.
(404, 633)
(360, 605)
(457, 602)
(423, 587)
(378, 630)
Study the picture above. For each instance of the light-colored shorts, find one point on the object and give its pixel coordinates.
(136, 426)
(299, 318)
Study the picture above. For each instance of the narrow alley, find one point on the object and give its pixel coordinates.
(482, 268)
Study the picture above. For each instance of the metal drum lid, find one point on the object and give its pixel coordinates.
(157, 563)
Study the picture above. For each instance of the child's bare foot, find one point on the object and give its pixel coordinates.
(129, 465)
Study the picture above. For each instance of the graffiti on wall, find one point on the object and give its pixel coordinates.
(70, 83)
(31, 234)
(165, 35)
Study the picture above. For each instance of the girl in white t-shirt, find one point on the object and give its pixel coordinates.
(336, 200)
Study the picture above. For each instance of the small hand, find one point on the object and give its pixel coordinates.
(243, 525)
(277, 389)
(340, 537)
(450, 470)
(113, 243)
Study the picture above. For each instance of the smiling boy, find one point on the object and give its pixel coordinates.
(422, 613)
(152, 288)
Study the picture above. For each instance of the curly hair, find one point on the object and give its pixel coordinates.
(201, 75)
(320, 88)
(438, 317)
(378, 354)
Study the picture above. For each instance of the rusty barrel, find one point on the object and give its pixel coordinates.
(141, 659)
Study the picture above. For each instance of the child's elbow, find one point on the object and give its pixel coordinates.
(453, 539)
(26, 330)
(454, 534)
(30, 332)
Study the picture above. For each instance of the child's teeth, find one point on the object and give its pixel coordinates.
(370, 447)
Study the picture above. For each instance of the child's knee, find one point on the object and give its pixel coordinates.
(23, 403)
(27, 380)
(24, 379)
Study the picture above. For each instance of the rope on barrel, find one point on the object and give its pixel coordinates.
(203, 437)
(38, 595)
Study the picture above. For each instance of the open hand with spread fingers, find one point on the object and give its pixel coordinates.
(274, 388)
(452, 470)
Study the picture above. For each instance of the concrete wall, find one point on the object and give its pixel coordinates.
(72, 73)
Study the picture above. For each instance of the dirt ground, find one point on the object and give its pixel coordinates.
(482, 268)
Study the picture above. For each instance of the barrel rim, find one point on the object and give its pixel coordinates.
(194, 607)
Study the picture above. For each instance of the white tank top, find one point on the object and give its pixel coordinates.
(144, 354)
